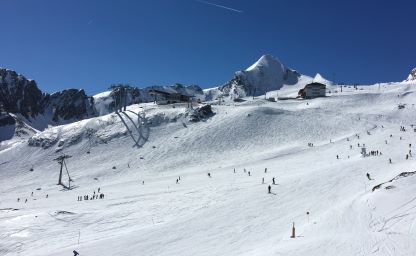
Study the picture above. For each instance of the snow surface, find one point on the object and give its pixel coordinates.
(229, 213)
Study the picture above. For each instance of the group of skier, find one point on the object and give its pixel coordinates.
(92, 197)
(375, 153)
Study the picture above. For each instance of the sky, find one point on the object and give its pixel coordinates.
(92, 44)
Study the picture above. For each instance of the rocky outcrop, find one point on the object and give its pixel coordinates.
(200, 113)
(20, 95)
(6, 119)
(10, 126)
(71, 104)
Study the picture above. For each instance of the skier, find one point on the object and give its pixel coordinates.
(337, 157)
(270, 189)
(407, 157)
(249, 174)
(179, 177)
(262, 181)
(47, 195)
(368, 176)
(177, 181)
(234, 170)
(26, 200)
(273, 181)
(390, 160)
(209, 174)
(75, 253)
(98, 190)
(18, 199)
(31, 194)
(265, 170)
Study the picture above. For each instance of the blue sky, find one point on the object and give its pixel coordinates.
(93, 43)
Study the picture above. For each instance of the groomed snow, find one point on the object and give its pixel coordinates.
(229, 213)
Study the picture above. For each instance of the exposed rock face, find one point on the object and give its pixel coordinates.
(70, 104)
(412, 76)
(20, 95)
(6, 119)
(201, 113)
(11, 126)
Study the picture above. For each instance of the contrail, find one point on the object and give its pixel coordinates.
(220, 6)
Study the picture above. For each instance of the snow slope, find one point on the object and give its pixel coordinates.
(229, 213)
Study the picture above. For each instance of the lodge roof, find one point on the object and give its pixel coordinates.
(315, 84)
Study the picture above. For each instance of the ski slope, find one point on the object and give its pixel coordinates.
(229, 213)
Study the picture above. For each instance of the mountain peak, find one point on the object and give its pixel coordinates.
(320, 79)
(412, 75)
(267, 60)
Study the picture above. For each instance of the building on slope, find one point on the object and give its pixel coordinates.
(313, 90)
(168, 95)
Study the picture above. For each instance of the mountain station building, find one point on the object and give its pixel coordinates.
(312, 90)
(168, 95)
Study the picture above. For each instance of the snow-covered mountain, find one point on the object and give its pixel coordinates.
(270, 164)
(412, 75)
(22, 97)
(266, 74)
(152, 163)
